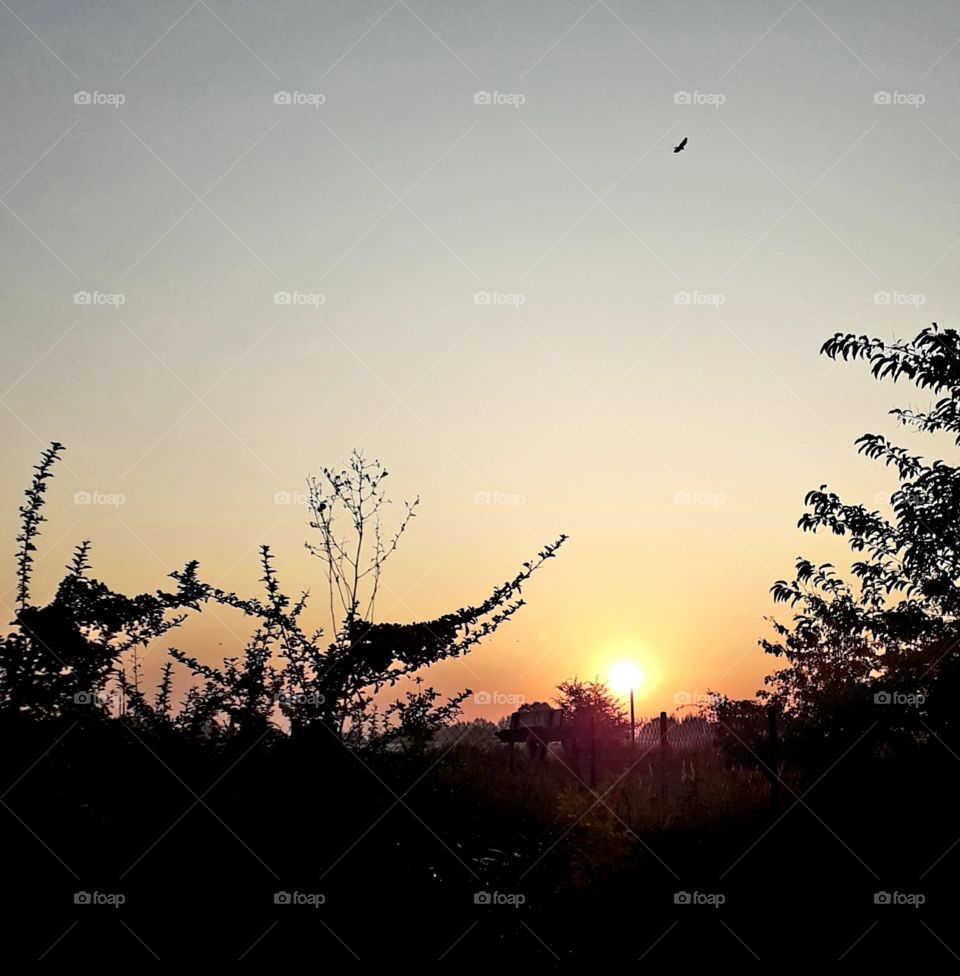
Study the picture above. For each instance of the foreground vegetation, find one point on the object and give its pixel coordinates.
(281, 770)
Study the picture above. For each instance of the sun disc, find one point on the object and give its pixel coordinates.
(625, 675)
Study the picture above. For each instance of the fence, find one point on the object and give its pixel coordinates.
(658, 737)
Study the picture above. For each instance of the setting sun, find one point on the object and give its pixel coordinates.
(406, 454)
(625, 675)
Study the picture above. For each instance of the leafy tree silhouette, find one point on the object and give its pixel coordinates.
(586, 701)
(60, 657)
(895, 630)
(593, 713)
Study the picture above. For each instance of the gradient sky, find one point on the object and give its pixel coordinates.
(598, 400)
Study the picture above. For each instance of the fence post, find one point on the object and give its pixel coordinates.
(663, 732)
(774, 758)
(593, 752)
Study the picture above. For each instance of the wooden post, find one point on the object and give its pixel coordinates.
(661, 765)
(593, 752)
(633, 722)
(774, 759)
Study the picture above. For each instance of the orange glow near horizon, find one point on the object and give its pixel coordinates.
(526, 366)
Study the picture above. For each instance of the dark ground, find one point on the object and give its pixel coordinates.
(399, 846)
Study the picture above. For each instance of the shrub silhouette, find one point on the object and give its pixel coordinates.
(60, 657)
(64, 654)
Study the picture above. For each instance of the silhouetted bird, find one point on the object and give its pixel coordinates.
(683, 145)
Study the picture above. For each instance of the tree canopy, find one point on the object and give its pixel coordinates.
(891, 630)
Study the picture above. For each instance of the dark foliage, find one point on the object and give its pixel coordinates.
(879, 654)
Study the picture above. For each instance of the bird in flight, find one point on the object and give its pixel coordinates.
(683, 145)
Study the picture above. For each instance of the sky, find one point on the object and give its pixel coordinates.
(239, 240)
